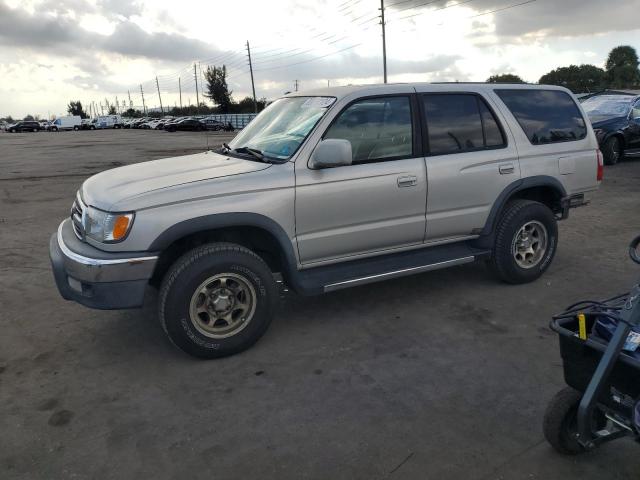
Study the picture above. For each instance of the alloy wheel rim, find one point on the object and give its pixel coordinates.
(222, 305)
(530, 244)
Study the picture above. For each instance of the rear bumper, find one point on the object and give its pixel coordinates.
(95, 278)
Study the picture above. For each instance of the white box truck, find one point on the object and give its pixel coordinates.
(106, 121)
(71, 122)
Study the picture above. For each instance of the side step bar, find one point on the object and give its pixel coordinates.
(397, 273)
(317, 280)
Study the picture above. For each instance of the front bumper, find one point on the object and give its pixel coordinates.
(95, 278)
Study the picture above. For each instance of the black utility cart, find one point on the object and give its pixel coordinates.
(602, 400)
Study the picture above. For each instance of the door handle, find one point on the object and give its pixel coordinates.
(407, 181)
(506, 169)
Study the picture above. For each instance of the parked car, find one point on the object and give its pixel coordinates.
(187, 124)
(331, 189)
(85, 124)
(213, 125)
(24, 126)
(71, 122)
(615, 118)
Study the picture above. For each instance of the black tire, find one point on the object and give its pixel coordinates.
(92, 127)
(76, 128)
(612, 151)
(12, 130)
(189, 272)
(560, 425)
(515, 216)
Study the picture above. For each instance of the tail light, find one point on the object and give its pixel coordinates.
(600, 174)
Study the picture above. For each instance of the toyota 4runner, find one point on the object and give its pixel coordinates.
(331, 189)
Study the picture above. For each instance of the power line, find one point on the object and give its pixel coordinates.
(311, 59)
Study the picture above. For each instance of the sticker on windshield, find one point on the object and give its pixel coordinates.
(318, 102)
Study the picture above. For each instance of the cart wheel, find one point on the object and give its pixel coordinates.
(561, 422)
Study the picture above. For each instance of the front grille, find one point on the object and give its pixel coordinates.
(77, 211)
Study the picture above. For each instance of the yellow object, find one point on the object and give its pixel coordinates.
(582, 326)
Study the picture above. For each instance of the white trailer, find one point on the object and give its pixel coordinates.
(71, 122)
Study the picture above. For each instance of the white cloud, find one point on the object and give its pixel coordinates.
(52, 52)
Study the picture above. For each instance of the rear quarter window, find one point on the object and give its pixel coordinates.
(546, 116)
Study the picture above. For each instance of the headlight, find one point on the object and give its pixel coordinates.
(107, 227)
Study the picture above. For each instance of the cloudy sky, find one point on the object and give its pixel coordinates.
(96, 50)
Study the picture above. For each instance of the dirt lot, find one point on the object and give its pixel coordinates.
(444, 375)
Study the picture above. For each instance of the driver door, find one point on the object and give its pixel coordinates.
(376, 204)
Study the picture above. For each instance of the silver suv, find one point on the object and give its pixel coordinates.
(331, 189)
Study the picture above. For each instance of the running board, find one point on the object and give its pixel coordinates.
(397, 273)
(384, 267)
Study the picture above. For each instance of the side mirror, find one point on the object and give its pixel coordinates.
(330, 153)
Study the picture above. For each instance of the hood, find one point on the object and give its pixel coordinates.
(602, 121)
(113, 186)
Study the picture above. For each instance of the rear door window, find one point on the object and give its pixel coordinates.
(459, 123)
(546, 116)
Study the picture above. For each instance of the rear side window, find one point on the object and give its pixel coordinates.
(546, 116)
(460, 123)
(378, 129)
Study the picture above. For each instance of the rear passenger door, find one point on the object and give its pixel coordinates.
(471, 160)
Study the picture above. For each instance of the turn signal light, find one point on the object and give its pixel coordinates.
(120, 227)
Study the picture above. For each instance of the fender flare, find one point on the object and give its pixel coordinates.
(518, 186)
(226, 220)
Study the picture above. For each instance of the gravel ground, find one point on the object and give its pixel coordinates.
(442, 375)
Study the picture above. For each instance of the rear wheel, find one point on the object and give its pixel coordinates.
(76, 128)
(561, 422)
(217, 300)
(526, 239)
(612, 151)
(92, 127)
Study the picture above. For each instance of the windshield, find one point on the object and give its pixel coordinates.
(282, 127)
(607, 105)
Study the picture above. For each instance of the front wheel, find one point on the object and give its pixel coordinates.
(217, 300)
(92, 127)
(612, 151)
(526, 240)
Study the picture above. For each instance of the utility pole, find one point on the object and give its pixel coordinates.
(180, 90)
(195, 75)
(144, 108)
(253, 86)
(384, 41)
(295, 82)
(159, 96)
(129, 94)
(117, 105)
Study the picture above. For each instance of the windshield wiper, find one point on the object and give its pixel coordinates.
(251, 151)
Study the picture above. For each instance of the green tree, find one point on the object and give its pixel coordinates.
(8, 119)
(217, 89)
(112, 110)
(246, 105)
(622, 67)
(505, 78)
(132, 113)
(578, 79)
(28, 118)
(75, 108)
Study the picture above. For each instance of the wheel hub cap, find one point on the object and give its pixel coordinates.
(222, 305)
(530, 244)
